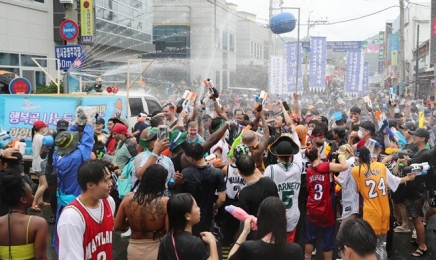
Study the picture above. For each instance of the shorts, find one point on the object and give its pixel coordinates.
(291, 236)
(43, 169)
(399, 196)
(327, 236)
(414, 207)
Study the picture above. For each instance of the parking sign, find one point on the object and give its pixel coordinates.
(70, 56)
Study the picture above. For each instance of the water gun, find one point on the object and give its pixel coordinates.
(400, 138)
(386, 126)
(206, 98)
(211, 159)
(241, 215)
(260, 101)
(368, 103)
(421, 119)
(417, 168)
(183, 104)
(5, 138)
(237, 141)
(212, 90)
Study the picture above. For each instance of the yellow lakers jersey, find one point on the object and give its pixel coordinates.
(372, 187)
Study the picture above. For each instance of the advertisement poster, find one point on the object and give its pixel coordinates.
(318, 57)
(291, 68)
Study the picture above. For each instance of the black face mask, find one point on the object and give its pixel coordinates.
(319, 144)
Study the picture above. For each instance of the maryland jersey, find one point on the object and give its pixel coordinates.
(372, 187)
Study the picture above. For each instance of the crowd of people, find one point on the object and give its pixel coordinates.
(296, 171)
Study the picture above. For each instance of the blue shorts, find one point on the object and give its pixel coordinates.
(327, 236)
(43, 168)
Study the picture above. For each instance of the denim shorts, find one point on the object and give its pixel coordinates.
(43, 168)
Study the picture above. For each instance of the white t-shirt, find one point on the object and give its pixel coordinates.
(36, 149)
(71, 227)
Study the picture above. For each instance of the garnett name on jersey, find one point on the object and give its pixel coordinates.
(288, 186)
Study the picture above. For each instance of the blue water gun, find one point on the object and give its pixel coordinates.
(400, 138)
(386, 126)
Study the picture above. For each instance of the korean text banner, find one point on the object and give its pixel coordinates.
(317, 62)
(393, 46)
(353, 78)
(291, 67)
(277, 82)
(86, 20)
(365, 80)
(21, 111)
(381, 39)
(336, 46)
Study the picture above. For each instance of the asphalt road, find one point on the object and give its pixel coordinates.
(402, 246)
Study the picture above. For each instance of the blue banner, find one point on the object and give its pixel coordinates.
(21, 111)
(317, 62)
(365, 80)
(352, 79)
(291, 68)
(393, 45)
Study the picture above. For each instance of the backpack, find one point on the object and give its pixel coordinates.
(124, 181)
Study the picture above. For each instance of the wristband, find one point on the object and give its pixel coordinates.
(236, 243)
(154, 154)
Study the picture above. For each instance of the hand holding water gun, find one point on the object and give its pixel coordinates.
(417, 168)
(241, 215)
(184, 103)
(260, 101)
(212, 90)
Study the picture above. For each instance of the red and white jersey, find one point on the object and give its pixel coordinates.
(97, 237)
(319, 203)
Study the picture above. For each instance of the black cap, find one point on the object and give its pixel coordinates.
(408, 126)
(62, 125)
(100, 121)
(420, 132)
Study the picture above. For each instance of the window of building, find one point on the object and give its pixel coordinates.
(225, 77)
(26, 60)
(252, 49)
(232, 42)
(217, 78)
(225, 41)
(40, 78)
(10, 59)
(14, 70)
(224, 60)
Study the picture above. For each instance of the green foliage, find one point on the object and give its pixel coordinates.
(50, 89)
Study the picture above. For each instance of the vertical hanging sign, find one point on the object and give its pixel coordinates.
(291, 68)
(277, 83)
(352, 79)
(365, 79)
(86, 21)
(317, 63)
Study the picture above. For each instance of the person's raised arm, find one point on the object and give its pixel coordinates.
(286, 116)
(215, 137)
(242, 237)
(159, 147)
(339, 167)
(296, 105)
(194, 110)
(219, 111)
(120, 222)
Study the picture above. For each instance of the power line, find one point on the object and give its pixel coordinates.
(364, 16)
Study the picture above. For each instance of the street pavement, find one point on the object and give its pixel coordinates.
(402, 246)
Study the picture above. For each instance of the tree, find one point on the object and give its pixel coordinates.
(50, 89)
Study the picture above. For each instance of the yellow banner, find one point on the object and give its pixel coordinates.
(86, 18)
(394, 57)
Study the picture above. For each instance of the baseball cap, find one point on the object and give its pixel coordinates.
(120, 129)
(408, 126)
(39, 124)
(420, 132)
(249, 138)
(62, 125)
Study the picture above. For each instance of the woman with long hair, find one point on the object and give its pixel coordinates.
(145, 211)
(321, 217)
(23, 236)
(372, 180)
(38, 164)
(271, 240)
(179, 243)
(350, 198)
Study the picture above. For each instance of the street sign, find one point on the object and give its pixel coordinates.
(20, 86)
(69, 55)
(69, 30)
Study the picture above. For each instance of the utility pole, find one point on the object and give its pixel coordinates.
(416, 61)
(401, 56)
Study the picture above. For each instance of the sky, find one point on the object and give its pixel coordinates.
(332, 11)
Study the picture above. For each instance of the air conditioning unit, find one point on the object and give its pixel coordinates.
(66, 1)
